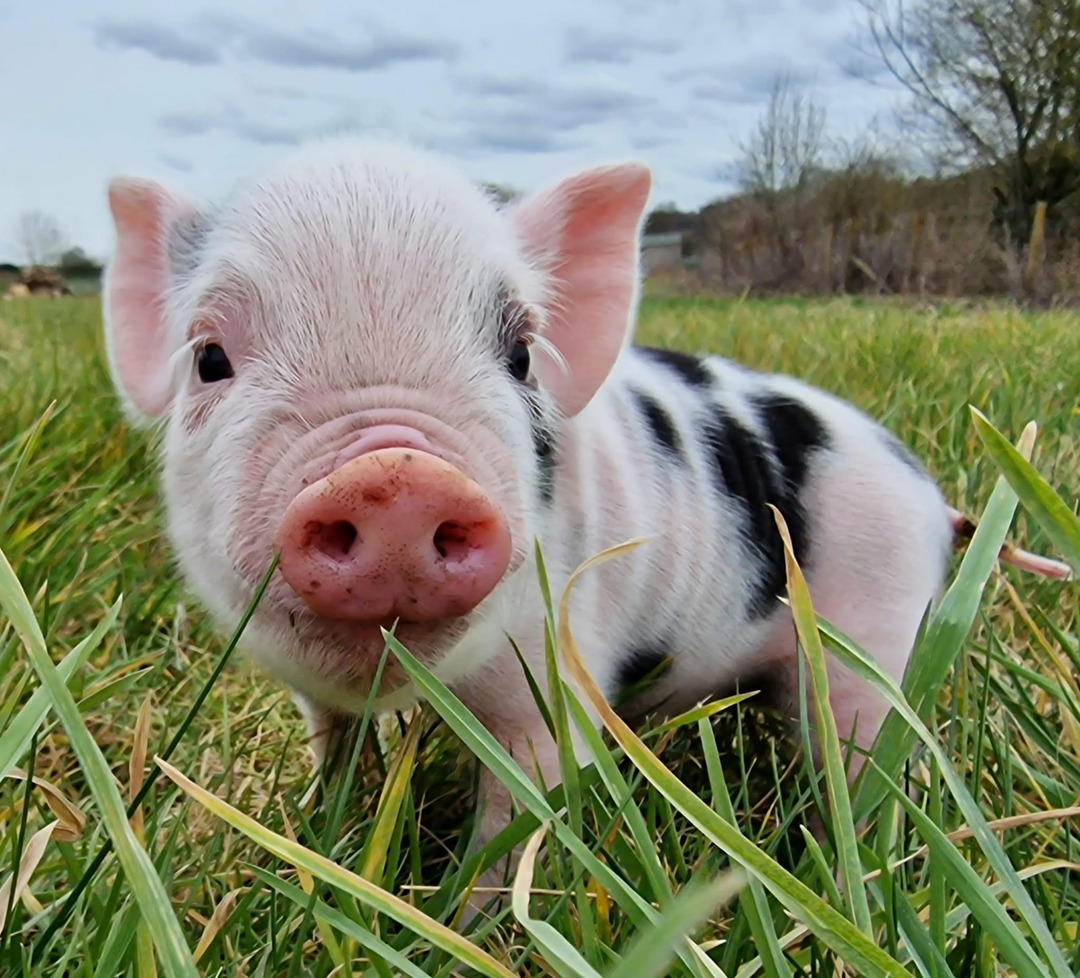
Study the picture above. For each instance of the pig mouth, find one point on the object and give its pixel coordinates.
(345, 656)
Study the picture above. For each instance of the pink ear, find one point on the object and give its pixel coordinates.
(584, 231)
(138, 278)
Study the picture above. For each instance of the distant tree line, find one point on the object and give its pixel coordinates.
(976, 190)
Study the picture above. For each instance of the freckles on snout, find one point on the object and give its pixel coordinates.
(393, 533)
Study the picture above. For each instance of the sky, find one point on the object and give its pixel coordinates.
(200, 96)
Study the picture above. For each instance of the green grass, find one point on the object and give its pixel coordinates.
(695, 829)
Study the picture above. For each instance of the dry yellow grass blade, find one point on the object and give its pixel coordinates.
(137, 764)
(32, 855)
(69, 817)
(217, 920)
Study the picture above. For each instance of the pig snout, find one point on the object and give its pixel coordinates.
(394, 532)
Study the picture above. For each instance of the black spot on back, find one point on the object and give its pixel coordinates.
(660, 423)
(759, 472)
(690, 368)
(741, 468)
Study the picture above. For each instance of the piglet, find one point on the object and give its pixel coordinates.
(360, 361)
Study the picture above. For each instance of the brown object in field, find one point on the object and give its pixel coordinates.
(1036, 250)
(40, 280)
(17, 291)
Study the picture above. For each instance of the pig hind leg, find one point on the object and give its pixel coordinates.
(880, 558)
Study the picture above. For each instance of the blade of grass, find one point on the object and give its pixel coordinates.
(377, 844)
(337, 876)
(754, 902)
(32, 854)
(139, 870)
(972, 889)
(568, 762)
(650, 953)
(830, 925)
(649, 858)
(1059, 522)
(555, 948)
(329, 917)
(15, 738)
(72, 898)
(943, 640)
(802, 611)
(31, 443)
(860, 662)
(493, 756)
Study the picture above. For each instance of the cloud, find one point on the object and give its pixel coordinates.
(650, 141)
(253, 129)
(284, 49)
(191, 123)
(548, 108)
(176, 162)
(159, 40)
(751, 81)
(586, 46)
(497, 139)
(313, 50)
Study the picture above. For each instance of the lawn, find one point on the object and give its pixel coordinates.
(979, 876)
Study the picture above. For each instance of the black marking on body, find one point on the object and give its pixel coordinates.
(636, 666)
(762, 471)
(543, 439)
(660, 423)
(690, 368)
(795, 434)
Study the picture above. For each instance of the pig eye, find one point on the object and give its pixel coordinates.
(518, 363)
(213, 364)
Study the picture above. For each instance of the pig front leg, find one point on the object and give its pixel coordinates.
(520, 729)
(330, 733)
(325, 728)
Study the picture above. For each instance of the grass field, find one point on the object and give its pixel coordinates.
(980, 877)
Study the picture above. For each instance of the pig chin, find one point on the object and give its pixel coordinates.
(336, 662)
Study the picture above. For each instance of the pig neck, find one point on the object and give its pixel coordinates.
(608, 484)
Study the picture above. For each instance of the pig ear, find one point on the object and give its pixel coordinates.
(585, 233)
(137, 281)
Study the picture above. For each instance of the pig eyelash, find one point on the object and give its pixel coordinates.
(551, 351)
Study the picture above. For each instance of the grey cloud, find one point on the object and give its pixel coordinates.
(252, 129)
(500, 140)
(548, 108)
(379, 49)
(189, 123)
(495, 87)
(585, 46)
(159, 40)
(726, 94)
(176, 162)
(650, 141)
(749, 82)
(319, 51)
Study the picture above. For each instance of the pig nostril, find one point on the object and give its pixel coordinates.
(333, 539)
(452, 541)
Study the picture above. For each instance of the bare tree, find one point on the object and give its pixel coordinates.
(997, 83)
(787, 145)
(778, 163)
(39, 238)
